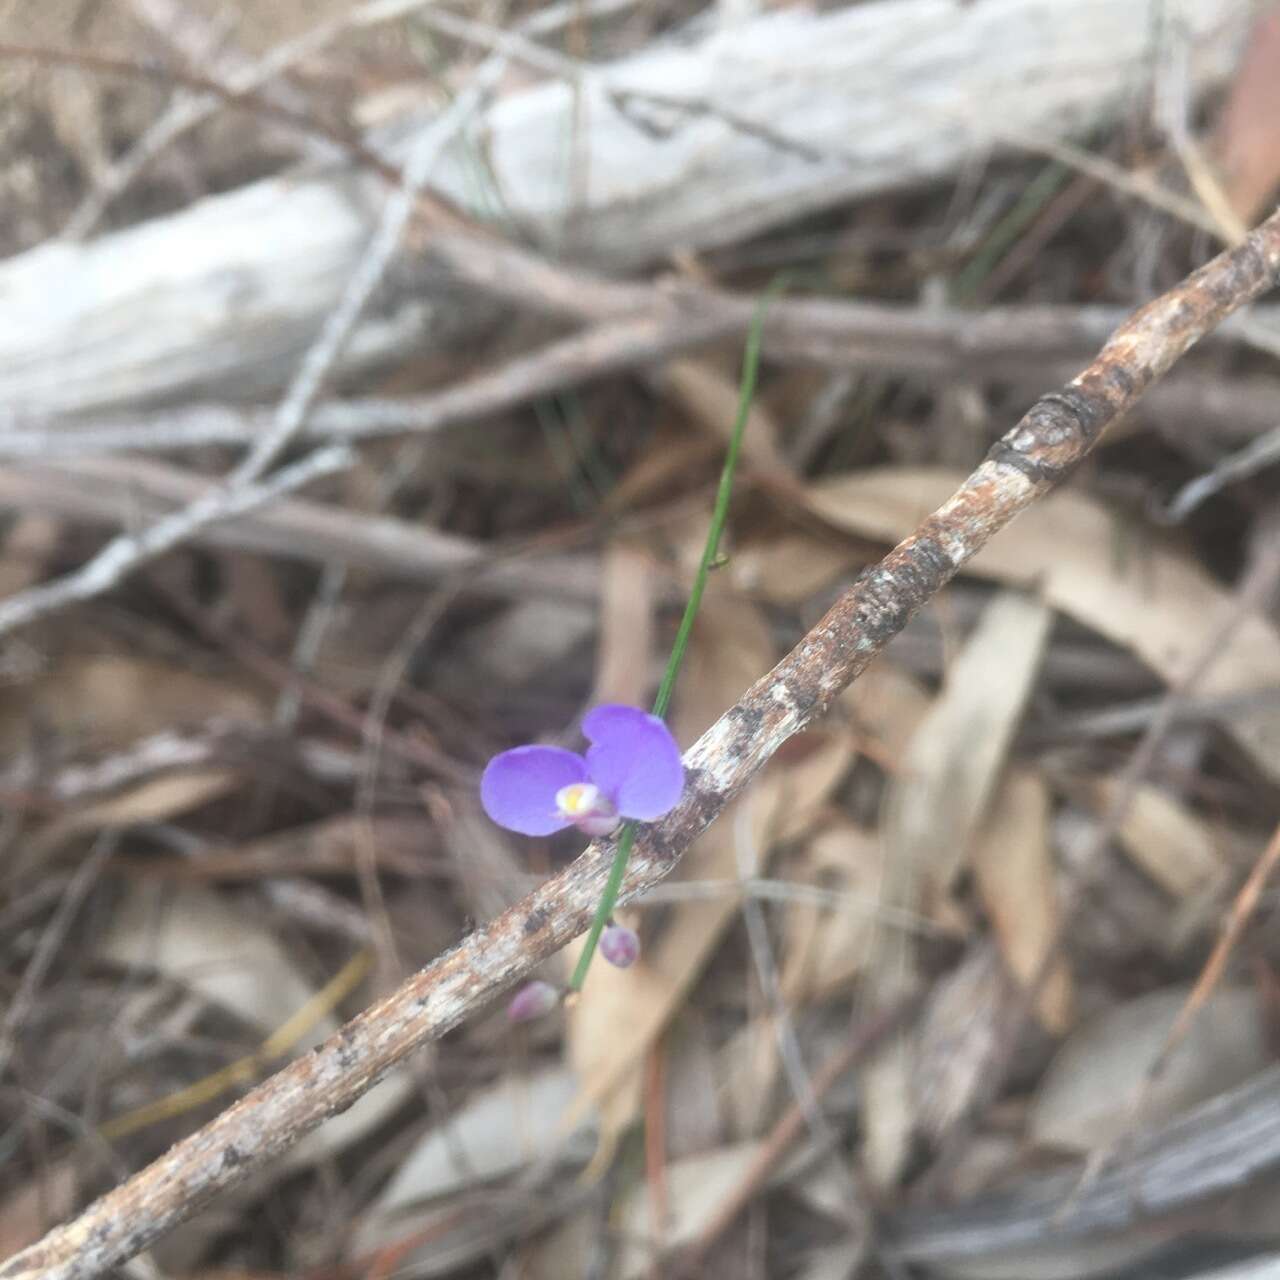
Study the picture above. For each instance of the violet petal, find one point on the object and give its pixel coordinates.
(634, 760)
(518, 789)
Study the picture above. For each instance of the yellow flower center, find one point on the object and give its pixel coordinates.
(578, 799)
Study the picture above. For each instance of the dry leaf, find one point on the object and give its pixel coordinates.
(789, 568)
(103, 702)
(932, 809)
(711, 398)
(1014, 874)
(230, 957)
(826, 947)
(956, 1039)
(696, 1189)
(156, 800)
(951, 767)
(1150, 599)
(519, 643)
(1088, 1094)
(887, 706)
(1173, 846)
(498, 1132)
(1248, 139)
(195, 937)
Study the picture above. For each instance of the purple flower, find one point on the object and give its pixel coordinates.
(631, 770)
(619, 945)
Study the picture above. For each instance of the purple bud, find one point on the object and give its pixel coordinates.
(533, 1000)
(620, 946)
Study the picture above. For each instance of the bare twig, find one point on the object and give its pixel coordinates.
(51, 939)
(1053, 437)
(118, 490)
(125, 553)
(1257, 454)
(642, 325)
(322, 354)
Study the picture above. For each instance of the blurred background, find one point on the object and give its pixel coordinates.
(365, 375)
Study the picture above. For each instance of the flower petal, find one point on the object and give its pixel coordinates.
(634, 760)
(518, 789)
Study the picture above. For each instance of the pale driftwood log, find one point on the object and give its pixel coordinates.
(1051, 439)
(787, 112)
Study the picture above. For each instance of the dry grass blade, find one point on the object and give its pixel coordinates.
(1046, 444)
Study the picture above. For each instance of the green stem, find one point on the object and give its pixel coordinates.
(719, 516)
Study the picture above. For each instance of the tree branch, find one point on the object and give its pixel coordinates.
(1051, 438)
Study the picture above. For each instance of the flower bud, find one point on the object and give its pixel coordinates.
(619, 945)
(533, 1000)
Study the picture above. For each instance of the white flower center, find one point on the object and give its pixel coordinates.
(588, 808)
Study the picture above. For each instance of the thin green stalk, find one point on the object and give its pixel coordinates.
(710, 552)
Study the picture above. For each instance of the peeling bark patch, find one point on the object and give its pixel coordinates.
(1071, 407)
(347, 1052)
(1041, 472)
(535, 921)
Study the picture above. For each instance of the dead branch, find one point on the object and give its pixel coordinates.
(123, 554)
(231, 290)
(116, 491)
(1039, 451)
(634, 325)
(1218, 1147)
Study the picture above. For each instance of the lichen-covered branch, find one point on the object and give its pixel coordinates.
(1054, 436)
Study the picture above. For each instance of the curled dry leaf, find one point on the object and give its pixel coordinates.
(1148, 598)
(1015, 878)
(1088, 1095)
(157, 800)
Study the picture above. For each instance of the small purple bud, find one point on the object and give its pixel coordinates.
(533, 1000)
(619, 945)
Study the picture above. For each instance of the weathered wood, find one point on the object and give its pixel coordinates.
(786, 113)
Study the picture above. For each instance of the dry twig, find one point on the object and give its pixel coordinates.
(1040, 450)
(125, 553)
